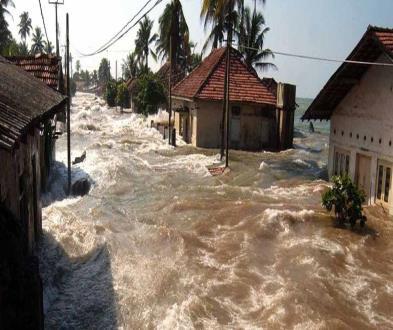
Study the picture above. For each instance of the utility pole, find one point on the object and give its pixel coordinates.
(226, 102)
(68, 106)
(170, 89)
(56, 3)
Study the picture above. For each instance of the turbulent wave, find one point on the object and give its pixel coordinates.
(159, 243)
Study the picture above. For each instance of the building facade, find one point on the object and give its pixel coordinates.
(358, 100)
(261, 112)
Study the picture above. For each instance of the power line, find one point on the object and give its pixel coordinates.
(128, 23)
(322, 58)
(124, 33)
(43, 22)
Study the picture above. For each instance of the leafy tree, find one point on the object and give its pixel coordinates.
(254, 31)
(143, 41)
(123, 96)
(131, 66)
(173, 30)
(149, 94)
(72, 87)
(94, 77)
(38, 45)
(110, 93)
(346, 199)
(24, 25)
(104, 72)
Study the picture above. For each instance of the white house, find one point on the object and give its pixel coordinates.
(358, 100)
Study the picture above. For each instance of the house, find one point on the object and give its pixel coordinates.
(27, 105)
(261, 111)
(163, 76)
(46, 68)
(358, 101)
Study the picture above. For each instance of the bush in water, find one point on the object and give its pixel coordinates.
(149, 94)
(110, 93)
(347, 201)
(122, 97)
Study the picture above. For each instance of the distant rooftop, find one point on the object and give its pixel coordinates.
(44, 67)
(24, 102)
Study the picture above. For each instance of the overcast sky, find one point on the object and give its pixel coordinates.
(323, 28)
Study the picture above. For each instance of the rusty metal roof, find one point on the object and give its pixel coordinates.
(371, 46)
(24, 102)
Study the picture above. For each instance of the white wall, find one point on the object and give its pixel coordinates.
(363, 121)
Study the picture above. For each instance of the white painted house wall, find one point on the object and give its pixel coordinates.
(363, 124)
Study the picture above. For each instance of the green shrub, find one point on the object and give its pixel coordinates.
(110, 93)
(149, 94)
(123, 96)
(346, 199)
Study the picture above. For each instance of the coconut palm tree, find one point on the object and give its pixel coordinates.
(223, 16)
(254, 35)
(38, 41)
(173, 33)
(131, 66)
(24, 25)
(49, 47)
(5, 34)
(143, 41)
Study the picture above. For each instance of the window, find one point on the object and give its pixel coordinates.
(384, 181)
(341, 162)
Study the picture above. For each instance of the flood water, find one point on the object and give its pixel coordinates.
(159, 243)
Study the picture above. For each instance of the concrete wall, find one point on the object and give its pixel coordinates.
(17, 167)
(363, 123)
(257, 125)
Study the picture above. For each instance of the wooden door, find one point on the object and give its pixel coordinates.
(363, 177)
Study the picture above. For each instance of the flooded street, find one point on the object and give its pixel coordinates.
(159, 243)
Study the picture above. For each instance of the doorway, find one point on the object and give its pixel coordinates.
(362, 174)
(384, 178)
(235, 127)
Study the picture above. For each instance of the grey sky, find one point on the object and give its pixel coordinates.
(325, 28)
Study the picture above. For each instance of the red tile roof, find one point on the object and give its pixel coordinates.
(206, 82)
(44, 67)
(371, 46)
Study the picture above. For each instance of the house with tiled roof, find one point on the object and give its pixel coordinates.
(358, 101)
(261, 114)
(27, 106)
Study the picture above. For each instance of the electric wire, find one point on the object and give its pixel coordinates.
(43, 22)
(125, 26)
(123, 34)
(307, 57)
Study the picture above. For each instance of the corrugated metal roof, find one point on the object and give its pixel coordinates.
(24, 102)
(371, 46)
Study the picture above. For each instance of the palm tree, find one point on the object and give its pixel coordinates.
(23, 48)
(5, 34)
(254, 34)
(24, 25)
(143, 41)
(223, 16)
(130, 66)
(49, 47)
(38, 43)
(173, 33)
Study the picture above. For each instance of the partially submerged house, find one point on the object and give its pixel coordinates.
(261, 111)
(26, 106)
(358, 101)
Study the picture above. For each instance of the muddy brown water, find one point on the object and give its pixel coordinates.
(159, 243)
